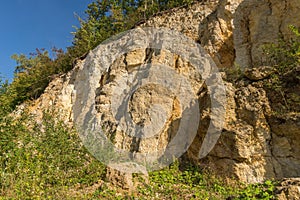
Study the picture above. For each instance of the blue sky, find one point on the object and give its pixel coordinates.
(29, 24)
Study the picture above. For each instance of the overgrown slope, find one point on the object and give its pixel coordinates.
(46, 160)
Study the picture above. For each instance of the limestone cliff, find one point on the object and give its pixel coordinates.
(255, 144)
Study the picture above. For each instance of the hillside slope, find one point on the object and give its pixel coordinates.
(261, 136)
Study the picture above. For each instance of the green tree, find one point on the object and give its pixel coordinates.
(32, 75)
(3, 99)
(107, 18)
(3, 86)
(104, 19)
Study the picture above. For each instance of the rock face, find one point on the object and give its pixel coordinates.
(57, 98)
(289, 189)
(259, 73)
(260, 22)
(208, 22)
(254, 144)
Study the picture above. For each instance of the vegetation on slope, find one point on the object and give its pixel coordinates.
(283, 87)
(47, 161)
(43, 160)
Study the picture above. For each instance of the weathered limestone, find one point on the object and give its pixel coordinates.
(254, 145)
(259, 73)
(208, 22)
(289, 189)
(258, 22)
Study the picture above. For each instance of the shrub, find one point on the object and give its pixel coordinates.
(283, 86)
(43, 161)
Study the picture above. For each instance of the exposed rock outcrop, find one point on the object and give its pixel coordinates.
(259, 73)
(208, 22)
(255, 145)
(289, 189)
(258, 22)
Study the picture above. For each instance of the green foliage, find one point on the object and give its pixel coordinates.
(3, 86)
(32, 76)
(43, 161)
(263, 191)
(285, 54)
(188, 183)
(107, 18)
(234, 73)
(104, 19)
(4, 103)
(283, 84)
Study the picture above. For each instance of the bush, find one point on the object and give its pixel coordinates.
(43, 161)
(283, 86)
(285, 54)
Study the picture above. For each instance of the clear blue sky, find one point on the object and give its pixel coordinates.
(29, 24)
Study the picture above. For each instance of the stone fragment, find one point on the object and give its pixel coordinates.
(259, 73)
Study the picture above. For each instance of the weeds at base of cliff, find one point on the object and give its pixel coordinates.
(48, 162)
(189, 183)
